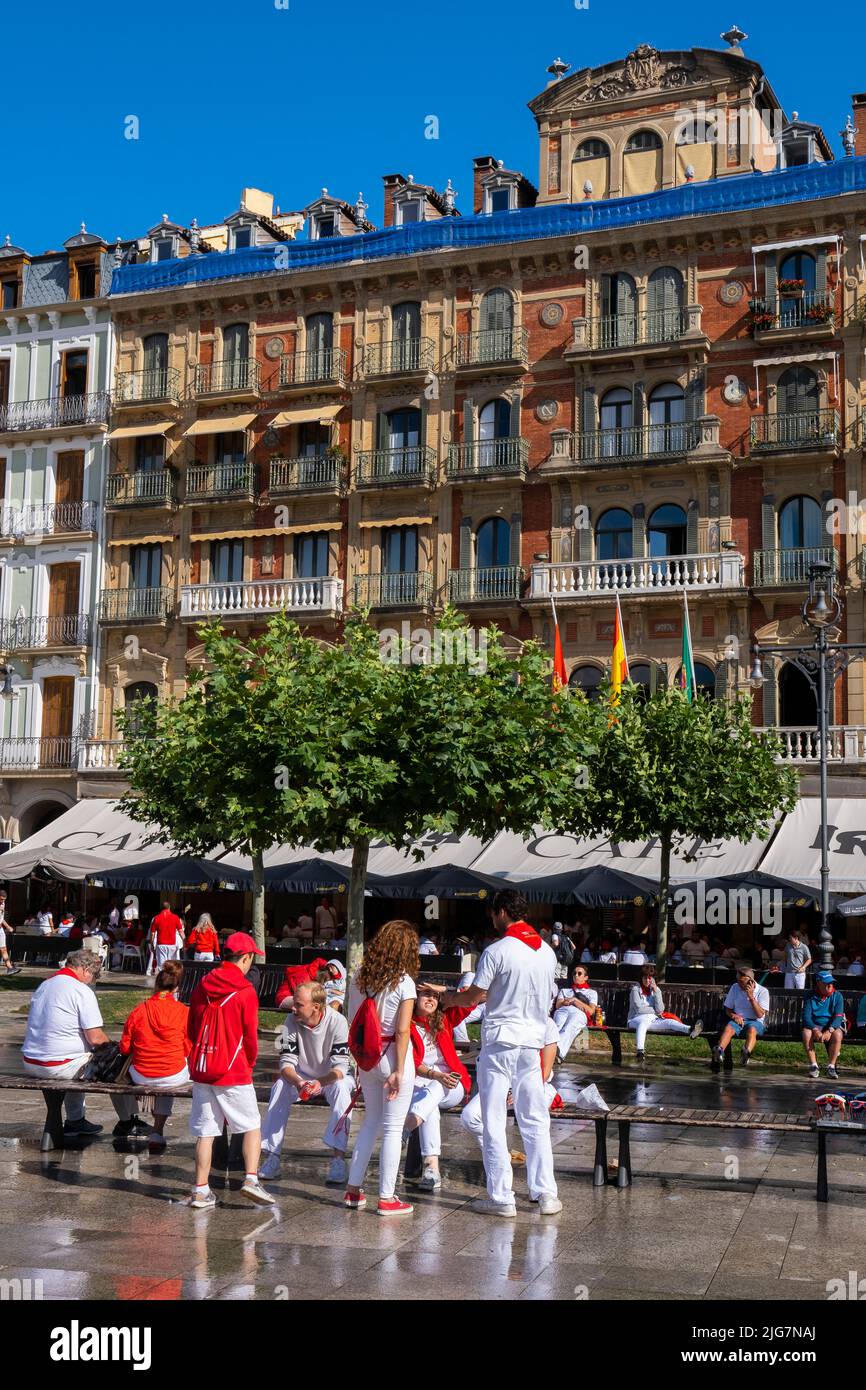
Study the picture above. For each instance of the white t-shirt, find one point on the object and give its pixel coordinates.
(2, 938)
(45, 923)
(388, 1002)
(695, 950)
(551, 1033)
(607, 958)
(305, 922)
(114, 917)
(590, 996)
(519, 984)
(738, 1000)
(432, 1053)
(426, 947)
(60, 1010)
(325, 919)
(634, 958)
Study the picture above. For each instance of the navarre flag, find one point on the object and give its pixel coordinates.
(560, 676)
(687, 669)
(619, 660)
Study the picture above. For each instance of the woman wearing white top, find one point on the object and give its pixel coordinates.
(645, 1010)
(575, 1006)
(387, 976)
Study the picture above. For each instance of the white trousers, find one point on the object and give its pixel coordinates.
(797, 980)
(382, 1117)
(283, 1096)
(516, 1069)
(428, 1098)
(74, 1103)
(569, 1021)
(651, 1023)
(470, 1115)
(203, 955)
(164, 953)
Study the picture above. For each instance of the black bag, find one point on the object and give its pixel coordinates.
(565, 951)
(106, 1064)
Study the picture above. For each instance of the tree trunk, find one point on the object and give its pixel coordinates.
(357, 881)
(664, 890)
(259, 898)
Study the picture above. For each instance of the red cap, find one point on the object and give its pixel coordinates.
(239, 942)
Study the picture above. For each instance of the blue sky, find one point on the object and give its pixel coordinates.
(332, 94)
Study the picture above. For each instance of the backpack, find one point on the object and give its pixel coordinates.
(365, 1036)
(215, 1048)
(565, 951)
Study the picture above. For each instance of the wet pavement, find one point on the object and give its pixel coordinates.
(711, 1215)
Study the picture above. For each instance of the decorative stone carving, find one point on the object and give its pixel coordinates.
(547, 411)
(641, 72)
(274, 348)
(551, 315)
(731, 292)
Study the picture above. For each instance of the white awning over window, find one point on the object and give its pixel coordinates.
(223, 424)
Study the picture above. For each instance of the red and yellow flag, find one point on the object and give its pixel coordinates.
(619, 660)
(560, 675)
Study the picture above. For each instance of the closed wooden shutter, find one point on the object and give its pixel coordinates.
(58, 699)
(63, 588)
(70, 477)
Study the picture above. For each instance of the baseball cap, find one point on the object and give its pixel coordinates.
(825, 977)
(239, 942)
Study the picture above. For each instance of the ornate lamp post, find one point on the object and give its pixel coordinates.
(822, 664)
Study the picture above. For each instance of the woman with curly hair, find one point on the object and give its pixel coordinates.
(387, 978)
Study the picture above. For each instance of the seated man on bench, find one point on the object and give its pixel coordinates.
(824, 1022)
(63, 1027)
(746, 1004)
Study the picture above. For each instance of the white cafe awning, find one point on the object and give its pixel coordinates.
(323, 414)
(90, 837)
(551, 853)
(221, 424)
(796, 851)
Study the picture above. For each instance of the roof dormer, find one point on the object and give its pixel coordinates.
(801, 142)
(331, 217)
(497, 189)
(407, 201)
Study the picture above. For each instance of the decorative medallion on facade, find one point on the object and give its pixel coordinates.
(641, 72)
(274, 348)
(551, 315)
(732, 292)
(547, 411)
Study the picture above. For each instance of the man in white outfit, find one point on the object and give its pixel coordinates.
(515, 981)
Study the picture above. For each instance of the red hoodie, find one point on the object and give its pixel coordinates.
(241, 1018)
(299, 975)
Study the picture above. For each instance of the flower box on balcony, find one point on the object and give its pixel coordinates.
(792, 287)
(761, 320)
(819, 313)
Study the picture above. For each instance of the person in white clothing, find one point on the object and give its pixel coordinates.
(646, 1012)
(575, 1007)
(747, 1005)
(441, 1079)
(326, 920)
(635, 954)
(460, 1032)
(470, 1116)
(45, 921)
(63, 1027)
(515, 981)
(386, 979)
(4, 951)
(314, 1060)
(427, 946)
(798, 958)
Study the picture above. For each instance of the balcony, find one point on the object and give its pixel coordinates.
(398, 357)
(846, 744)
(157, 385)
(48, 519)
(772, 569)
(326, 368)
(506, 348)
(653, 330)
(35, 634)
(221, 482)
(633, 444)
(501, 458)
(200, 602)
(407, 589)
(59, 413)
(99, 755)
(669, 574)
(238, 378)
(489, 584)
(135, 605)
(58, 753)
(807, 314)
(415, 466)
(799, 430)
(144, 489)
(321, 473)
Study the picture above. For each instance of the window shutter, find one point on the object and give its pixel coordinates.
(638, 405)
(638, 530)
(821, 270)
(584, 538)
(768, 523)
(466, 543)
(588, 422)
(768, 691)
(695, 396)
(514, 555)
(608, 301)
(723, 674)
(770, 276)
(514, 420)
(692, 529)
(468, 422)
(382, 431)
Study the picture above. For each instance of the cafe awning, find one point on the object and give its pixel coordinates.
(321, 414)
(796, 851)
(135, 431)
(221, 424)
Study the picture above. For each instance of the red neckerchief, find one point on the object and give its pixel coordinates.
(70, 973)
(522, 931)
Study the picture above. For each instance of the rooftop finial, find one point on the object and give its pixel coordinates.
(734, 37)
(83, 229)
(848, 135)
(449, 196)
(165, 217)
(8, 241)
(324, 192)
(361, 208)
(558, 69)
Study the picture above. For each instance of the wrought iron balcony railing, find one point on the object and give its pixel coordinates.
(392, 467)
(151, 488)
(48, 518)
(135, 605)
(798, 310)
(398, 357)
(599, 447)
(652, 327)
(321, 367)
(493, 347)
(248, 599)
(801, 429)
(771, 568)
(405, 589)
(647, 575)
(239, 377)
(153, 384)
(217, 482)
(320, 473)
(34, 754)
(503, 457)
(31, 634)
(56, 413)
(489, 582)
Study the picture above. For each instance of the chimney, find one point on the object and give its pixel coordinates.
(392, 182)
(858, 101)
(481, 167)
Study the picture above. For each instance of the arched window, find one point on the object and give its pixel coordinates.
(591, 166)
(696, 132)
(494, 424)
(588, 679)
(797, 703)
(798, 393)
(235, 372)
(155, 383)
(133, 697)
(492, 543)
(642, 163)
(800, 524)
(696, 141)
(666, 531)
(649, 676)
(798, 265)
(614, 544)
(796, 282)
(618, 325)
(665, 297)
(617, 417)
(667, 413)
(705, 679)
(496, 339)
(406, 337)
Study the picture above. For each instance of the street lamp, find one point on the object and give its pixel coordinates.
(822, 664)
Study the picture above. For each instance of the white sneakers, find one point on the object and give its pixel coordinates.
(338, 1172)
(254, 1192)
(269, 1166)
(549, 1206)
(202, 1201)
(485, 1206)
(430, 1180)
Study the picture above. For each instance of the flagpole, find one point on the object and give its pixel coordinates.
(692, 678)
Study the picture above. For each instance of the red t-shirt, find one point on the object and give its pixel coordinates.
(165, 928)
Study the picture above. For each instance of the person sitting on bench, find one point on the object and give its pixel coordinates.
(746, 1005)
(575, 1007)
(824, 1022)
(298, 975)
(155, 1037)
(63, 1027)
(646, 1013)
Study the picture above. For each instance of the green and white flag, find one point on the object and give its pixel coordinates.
(687, 670)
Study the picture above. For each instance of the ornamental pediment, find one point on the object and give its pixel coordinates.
(644, 70)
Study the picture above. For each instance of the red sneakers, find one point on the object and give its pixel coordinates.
(394, 1207)
(354, 1201)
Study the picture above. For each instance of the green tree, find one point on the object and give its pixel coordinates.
(672, 770)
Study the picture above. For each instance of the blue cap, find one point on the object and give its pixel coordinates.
(825, 977)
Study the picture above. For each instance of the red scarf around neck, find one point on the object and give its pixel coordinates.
(522, 931)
